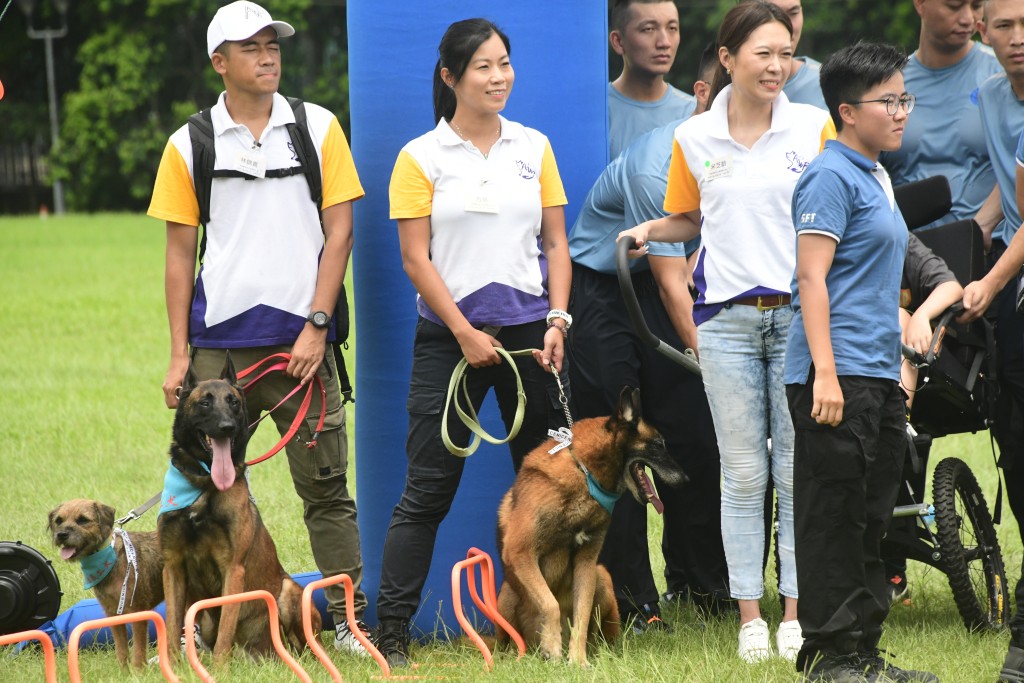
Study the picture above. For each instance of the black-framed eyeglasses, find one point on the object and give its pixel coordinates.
(893, 103)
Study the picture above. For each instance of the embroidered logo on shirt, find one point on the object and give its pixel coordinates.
(796, 164)
(526, 171)
(291, 148)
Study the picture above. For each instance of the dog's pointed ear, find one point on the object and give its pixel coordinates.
(190, 381)
(104, 515)
(228, 373)
(629, 405)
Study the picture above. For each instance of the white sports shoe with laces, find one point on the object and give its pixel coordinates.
(789, 639)
(755, 646)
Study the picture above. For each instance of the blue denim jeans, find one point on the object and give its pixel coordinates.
(742, 351)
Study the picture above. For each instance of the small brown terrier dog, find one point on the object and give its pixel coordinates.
(552, 524)
(82, 529)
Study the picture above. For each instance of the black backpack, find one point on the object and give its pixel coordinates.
(200, 129)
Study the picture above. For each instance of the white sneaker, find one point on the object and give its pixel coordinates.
(345, 640)
(754, 642)
(196, 636)
(789, 639)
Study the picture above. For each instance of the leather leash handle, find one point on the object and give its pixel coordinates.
(470, 418)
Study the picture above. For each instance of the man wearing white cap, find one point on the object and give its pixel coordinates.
(272, 271)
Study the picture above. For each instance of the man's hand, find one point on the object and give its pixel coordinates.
(828, 400)
(307, 354)
(173, 380)
(978, 296)
(918, 333)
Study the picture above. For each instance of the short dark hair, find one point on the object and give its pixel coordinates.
(620, 12)
(737, 25)
(708, 62)
(853, 70)
(458, 45)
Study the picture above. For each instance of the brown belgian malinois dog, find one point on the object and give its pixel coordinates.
(552, 524)
(218, 545)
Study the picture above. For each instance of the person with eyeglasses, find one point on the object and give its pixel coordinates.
(1001, 99)
(842, 383)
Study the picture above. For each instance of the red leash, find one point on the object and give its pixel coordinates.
(278, 362)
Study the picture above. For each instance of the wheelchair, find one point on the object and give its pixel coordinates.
(956, 394)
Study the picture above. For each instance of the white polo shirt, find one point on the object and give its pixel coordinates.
(744, 196)
(485, 218)
(264, 239)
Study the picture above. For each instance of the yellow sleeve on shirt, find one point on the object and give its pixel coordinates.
(552, 193)
(411, 192)
(341, 182)
(174, 195)
(682, 194)
(828, 132)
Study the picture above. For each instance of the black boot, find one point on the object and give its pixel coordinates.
(392, 640)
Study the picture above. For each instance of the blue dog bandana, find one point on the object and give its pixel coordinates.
(178, 491)
(604, 497)
(95, 567)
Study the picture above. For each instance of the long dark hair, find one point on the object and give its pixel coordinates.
(459, 44)
(738, 24)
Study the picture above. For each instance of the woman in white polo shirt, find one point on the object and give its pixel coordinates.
(731, 180)
(479, 205)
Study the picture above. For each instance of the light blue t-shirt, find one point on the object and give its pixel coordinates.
(1002, 116)
(629, 119)
(944, 135)
(805, 86)
(631, 190)
(847, 196)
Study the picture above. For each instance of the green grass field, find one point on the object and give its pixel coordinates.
(81, 415)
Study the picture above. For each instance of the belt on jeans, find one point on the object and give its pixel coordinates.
(763, 302)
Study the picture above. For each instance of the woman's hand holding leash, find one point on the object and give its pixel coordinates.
(554, 349)
(478, 348)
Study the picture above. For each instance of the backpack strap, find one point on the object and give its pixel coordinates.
(200, 132)
(305, 150)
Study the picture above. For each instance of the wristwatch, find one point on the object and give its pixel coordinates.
(319, 319)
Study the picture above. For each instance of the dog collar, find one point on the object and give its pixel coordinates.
(95, 567)
(603, 496)
(178, 491)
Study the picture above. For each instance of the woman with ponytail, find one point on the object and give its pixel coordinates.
(479, 204)
(731, 180)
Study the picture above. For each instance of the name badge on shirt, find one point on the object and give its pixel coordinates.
(251, 162)
(718, 168)
(482, 199)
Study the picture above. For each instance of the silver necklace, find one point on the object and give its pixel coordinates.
(497, 134)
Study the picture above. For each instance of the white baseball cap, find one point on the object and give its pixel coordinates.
(240, 20)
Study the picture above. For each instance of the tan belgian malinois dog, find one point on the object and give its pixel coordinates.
(217, 544)
(552, 523)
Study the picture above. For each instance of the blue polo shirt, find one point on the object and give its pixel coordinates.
(1002, 116)
(631, 190)
(805, 86)
(848, 197)
(628, 119)
(944, 135)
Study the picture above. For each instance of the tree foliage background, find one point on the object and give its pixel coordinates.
(129, 72)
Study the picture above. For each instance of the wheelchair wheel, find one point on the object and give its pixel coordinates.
(970, 550)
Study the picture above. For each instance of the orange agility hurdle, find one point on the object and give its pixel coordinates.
(488, 605)
(44, 640)
(350, 613)
(147, 615)
(275, 631)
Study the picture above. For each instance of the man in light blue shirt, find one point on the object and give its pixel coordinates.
(645, 33)
(1002, 112)
(605, 354)
(945, 134)
(802, 85)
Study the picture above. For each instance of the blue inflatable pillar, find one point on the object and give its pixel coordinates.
(560, 57)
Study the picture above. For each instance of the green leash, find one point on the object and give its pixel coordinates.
(469, 416)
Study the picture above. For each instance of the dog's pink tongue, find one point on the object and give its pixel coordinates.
(67, 553)
(223, 470)
(649, 491)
